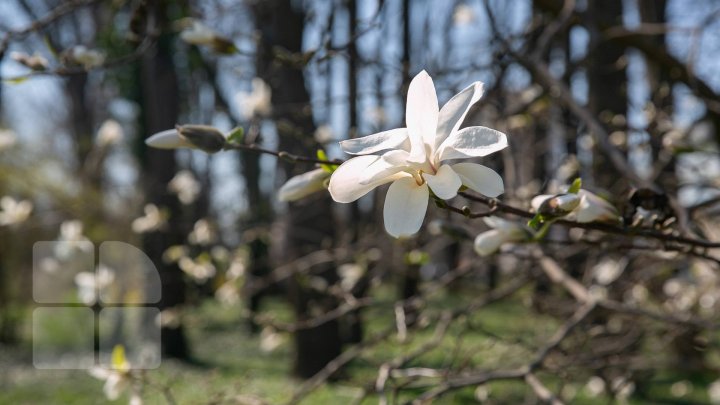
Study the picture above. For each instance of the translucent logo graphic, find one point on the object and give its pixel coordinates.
(84, 310)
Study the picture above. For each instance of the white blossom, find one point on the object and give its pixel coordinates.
(324, 134)
(502, 232)
(110, 133)
(257, 102)
(87, 57)
(14, 212)
(589, 208)
(463, 14)
(118, 377)
(302, 185)
(90, 284)
(185, 186)
(202, 233)
(415, 159)
(151, 221)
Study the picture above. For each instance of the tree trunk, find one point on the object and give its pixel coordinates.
(308, 225)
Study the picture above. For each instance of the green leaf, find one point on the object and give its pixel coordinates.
(321, 155)
(536, 221)
(575, 186)
(236, 135)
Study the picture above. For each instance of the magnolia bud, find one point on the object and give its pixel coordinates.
(203, 137)
(560, 205)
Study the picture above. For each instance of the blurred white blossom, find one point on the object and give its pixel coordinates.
(302, 185)
(203, 233)
(324, 134)
(200, 269)
(118, 378)
(257, 102)
(502, 232)
(110, 133)
(153, 220)
(8, 139)
(463, 14)
(90, 285)
(270, 339)
(34, 61)
(14, 212)
(85, 56)
(185, 186)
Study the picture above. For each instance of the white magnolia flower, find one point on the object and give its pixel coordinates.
(13, 212)
(303, 185)
(503, 231)
(256, 103)
(589, 208)
(415, 159)
(89, 58)
(110, 133)
(185, 186)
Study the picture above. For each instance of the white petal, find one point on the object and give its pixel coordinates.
(538, 200)
(480, 178)
(345, 184)
(169, 139)
(453, 113)
(472, 142)
(389, 164)
(593, 208)
(392, 139)
(445, 183)
(421, 115)
(405, 207)
(488, 242)
(303, 185)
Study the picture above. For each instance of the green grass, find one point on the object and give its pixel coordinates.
(230, 362)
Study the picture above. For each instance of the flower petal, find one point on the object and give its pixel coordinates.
(472, 142)
(445, 183)
(345, 184)
(169, 139)
(421, 115)
(537, 201)
(488, 242)
(405, 206)
(303, 185)
(593, 208)
(390, 163)
(453, 113)
(480, 178)
(392, 139)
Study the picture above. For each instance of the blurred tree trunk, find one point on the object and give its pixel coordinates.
(159, 99)
(308, 225)
(607, 79)
(689, 355)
